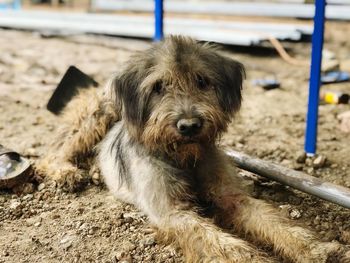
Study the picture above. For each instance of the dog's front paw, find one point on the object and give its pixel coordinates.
(65, 174)
(330, 252)
(72, 179)
(341, 255)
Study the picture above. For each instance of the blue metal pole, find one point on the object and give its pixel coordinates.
(16, 4)
(315, 74)
(158, 15)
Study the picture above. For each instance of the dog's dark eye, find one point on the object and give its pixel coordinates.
(158, 87)
(202, 83)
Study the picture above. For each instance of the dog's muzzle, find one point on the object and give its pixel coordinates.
(189, 127)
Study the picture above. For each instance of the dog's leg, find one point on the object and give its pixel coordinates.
(264, 224)
(85, 121)
(203, 242)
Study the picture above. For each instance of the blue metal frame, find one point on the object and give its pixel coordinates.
(315, 74)
(158, 15)
(15, 4)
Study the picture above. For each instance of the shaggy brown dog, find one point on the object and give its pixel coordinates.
(159, 120)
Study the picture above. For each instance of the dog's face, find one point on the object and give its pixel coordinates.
(178, 96)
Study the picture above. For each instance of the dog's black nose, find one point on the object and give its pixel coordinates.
(189, 127)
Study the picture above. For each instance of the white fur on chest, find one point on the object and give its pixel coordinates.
(146, 188)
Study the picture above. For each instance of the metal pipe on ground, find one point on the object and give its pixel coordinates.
(298, 180)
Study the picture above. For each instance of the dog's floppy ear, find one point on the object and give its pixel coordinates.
(231, 74)
(129, 97)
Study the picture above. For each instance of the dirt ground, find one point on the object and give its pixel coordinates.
(45, 224)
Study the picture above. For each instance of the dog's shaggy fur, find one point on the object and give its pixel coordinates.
(159, 119)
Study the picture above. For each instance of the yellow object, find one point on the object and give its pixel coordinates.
(332, 97)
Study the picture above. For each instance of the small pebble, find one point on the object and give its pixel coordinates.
(301, 157)
(309, 161)
(310, 170)
(126, 259)
(128, 246)
(95, 178)
(28, 197)
(41, 186)
(84, 226)
(295, 214)
(66, 242)
(14, 204)
(148, 241)
(148, 231)
(31, 152)
(119, 255)
(319, 162)
(129, 217)
(297, 166)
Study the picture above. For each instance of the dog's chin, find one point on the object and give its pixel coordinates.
(186, 153)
